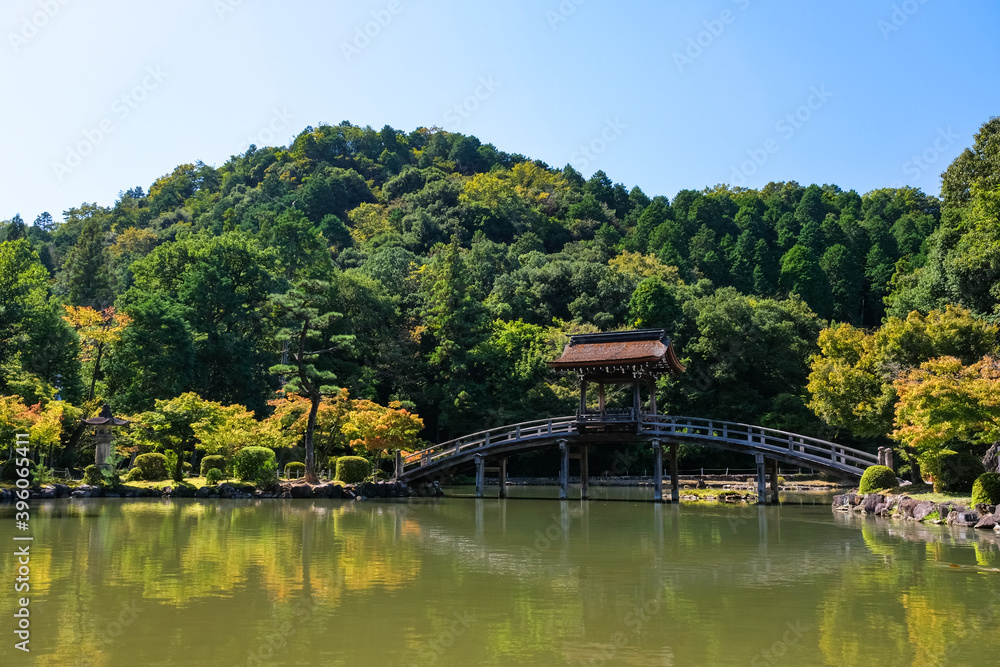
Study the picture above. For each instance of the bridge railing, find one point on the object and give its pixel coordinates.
(800, 446)
(539, 428)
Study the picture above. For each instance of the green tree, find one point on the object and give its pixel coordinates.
(306, 311)
(174, 424)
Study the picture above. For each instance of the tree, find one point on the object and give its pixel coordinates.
(944, 402)
(307, 313)
(801, 274)
(380, 429)
(176, 422)
(98, 331)
(86, 268)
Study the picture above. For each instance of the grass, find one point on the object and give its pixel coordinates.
(926, 492)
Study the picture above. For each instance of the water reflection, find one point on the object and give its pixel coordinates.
(465, 581)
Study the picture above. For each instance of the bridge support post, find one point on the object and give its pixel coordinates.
(398, 467)
(584, 472)
(563, 470)
(774, 480)
(503, 477)
(480, 474)
(657, 471)
(675, 483)
(761, 481)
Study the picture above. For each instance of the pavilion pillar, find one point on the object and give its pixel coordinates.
(503, 477)
(652, 396)
(657, 471)
(584, 472)
(675, 485)
(480, 474)
(563, 470)
(583, 396)
(774, 480)
(398, 469)
(761, 481)
(600, 396)
(636, 403)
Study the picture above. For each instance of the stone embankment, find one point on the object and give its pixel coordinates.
(984, 517)
(228, 490)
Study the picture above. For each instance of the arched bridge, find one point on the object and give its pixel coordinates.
(574, 434)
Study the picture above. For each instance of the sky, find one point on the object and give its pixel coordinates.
(105, 95)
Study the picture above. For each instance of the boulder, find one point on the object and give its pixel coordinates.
(301, 491)
(324, 490)
(62, 491)
(922, 509)
(203, 492)
(80, 493)
(963, 518)
(872, 500)
(987, 522)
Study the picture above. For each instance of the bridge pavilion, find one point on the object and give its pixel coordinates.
(631, 358)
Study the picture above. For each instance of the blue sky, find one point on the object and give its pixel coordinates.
(104, 95)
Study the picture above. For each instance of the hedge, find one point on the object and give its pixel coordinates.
(152, 467)
(353, 469)
(213, 461)
(92, 475)
(252, 464)
(296, 467)
(956, 473)
(986, 489)
(877, 478)
(213, 476)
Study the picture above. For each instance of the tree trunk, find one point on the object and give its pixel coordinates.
(179, 466)
(916, 474)
(311, 476)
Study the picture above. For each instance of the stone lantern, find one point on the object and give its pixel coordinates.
(103, 423)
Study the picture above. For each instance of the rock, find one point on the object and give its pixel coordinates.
(349, 494)
(62, 491)
(285, 494)
(906, 507)
(963, 518)
(167, 490)
(112, 495)
(986, 522)
(203, 492)
(324, 490)
(301, 491)
(922, 509)
(839, 501)
(701, 484)
(80, 493)
(872, 500)
(368, 490)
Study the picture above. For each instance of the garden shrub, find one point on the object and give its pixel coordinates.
(295, 467)
(353, 469)
(92, 475)
(214, 476)
(249, 464)
(152, 467)
(877, 478)
(213, 461)
(956, 473)
(331, 465)
(133, 475)
(986, 489)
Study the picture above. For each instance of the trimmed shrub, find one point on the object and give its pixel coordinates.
(187, 467)
(249, 464)
(214, 476)
(353, 469)
(133, 475)
(956, 473)
(877, 478)
(92, 475)
(152, 467)
(986, 489)
(295, 468)
(213, 461)
(331, 465)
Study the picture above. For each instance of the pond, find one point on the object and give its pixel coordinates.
(458, 581)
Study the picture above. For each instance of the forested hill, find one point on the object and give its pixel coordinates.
(460, 269)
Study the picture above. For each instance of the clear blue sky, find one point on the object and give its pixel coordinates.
(104, 95)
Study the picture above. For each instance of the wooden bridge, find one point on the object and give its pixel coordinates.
(573, 435)
(636, 359)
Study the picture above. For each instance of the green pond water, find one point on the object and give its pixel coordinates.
(458, 581)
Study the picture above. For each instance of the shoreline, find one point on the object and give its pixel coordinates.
(903, 507)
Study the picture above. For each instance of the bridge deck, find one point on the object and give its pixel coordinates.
(775, 445)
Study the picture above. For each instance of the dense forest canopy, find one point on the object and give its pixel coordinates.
(457, 270)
